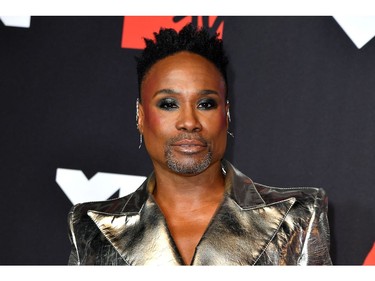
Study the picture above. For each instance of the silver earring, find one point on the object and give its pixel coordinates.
(230, 120)
(136, 120)
(140, 141)
(137, 111)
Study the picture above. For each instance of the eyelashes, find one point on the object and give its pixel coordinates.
(207, 104)
(167, 104)
(170, 104)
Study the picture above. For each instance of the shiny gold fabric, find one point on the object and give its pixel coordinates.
(255, 225)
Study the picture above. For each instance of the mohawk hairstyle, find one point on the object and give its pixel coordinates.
(190, 38)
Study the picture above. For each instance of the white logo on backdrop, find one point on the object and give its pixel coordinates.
(360, 29)
(16, 21)
(78, 188)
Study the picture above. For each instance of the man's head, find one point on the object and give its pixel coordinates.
(184, 112)
(192, 39)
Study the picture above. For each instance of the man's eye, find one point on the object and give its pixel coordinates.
(207, 104)
(167, 104)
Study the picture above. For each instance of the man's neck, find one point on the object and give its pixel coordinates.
(173, 189)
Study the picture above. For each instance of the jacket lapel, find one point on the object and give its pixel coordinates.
(140, 236)
(239, 236)
(243, 226)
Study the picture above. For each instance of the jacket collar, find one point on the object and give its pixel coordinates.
(240, 187)
(140, 234)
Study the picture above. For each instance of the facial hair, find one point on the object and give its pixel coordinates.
(190, 165)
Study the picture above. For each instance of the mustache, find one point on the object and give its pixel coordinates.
(187, 136)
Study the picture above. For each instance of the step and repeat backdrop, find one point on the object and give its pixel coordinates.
(302, 95)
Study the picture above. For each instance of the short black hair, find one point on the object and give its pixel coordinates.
(190, 38)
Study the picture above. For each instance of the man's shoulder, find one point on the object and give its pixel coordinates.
(271, 194)
(106, 206)
(301, 193)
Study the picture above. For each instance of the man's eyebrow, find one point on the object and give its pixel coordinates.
(174, 92)
(166, 91)
(208, 92)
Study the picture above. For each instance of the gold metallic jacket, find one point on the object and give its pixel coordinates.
(255, 225)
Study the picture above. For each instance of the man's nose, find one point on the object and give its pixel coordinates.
(188, 120)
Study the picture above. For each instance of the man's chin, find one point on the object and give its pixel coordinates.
(190, 166)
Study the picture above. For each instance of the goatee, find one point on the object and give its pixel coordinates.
(190, 165)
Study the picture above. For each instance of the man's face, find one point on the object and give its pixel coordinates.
(183, 114)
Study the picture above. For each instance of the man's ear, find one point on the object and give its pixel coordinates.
(140, 117)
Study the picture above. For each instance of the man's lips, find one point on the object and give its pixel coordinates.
(189, 146)
(189, 142)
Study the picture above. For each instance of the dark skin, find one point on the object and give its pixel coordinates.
(183, 97)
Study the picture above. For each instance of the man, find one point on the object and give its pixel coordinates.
(196, 208)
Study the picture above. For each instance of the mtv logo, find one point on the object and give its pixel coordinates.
(78, 188)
